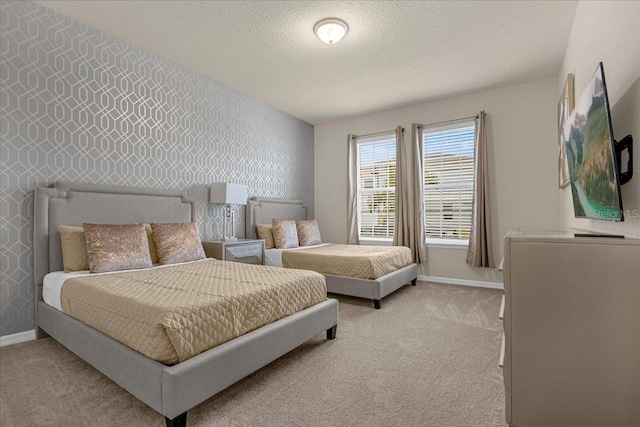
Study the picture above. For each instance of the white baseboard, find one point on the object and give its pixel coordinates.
(18, 338)
(462, 282)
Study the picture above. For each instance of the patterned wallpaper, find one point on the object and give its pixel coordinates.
(78, 105)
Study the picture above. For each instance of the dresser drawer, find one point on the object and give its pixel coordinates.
(502, 350)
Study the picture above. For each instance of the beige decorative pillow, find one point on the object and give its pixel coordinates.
(265, 231)
(308, 232)
(285, 234)
(177, 242)
(117, 247)
(74, 248)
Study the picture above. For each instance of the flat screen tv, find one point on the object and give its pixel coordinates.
(588, 136)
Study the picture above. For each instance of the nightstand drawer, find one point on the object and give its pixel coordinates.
(248, 251)
(249, 254)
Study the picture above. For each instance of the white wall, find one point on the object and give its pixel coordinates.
(521, 130)
(608, 32)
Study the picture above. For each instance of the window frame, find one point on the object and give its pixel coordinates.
(369, 240)
(444, 242)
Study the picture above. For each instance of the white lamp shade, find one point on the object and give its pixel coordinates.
(228, 193)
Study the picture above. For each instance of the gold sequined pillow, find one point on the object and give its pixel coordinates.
(177, 242)
(308, 232)
(114, 247)
(265, 231)
(285, 234)
(74, 248)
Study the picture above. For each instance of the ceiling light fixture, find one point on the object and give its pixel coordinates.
(331, 30)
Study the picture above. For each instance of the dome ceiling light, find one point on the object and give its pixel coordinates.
(331, 30)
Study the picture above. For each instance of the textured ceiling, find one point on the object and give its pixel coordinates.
(396, 53)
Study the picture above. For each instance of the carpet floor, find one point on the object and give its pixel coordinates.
(429, 357)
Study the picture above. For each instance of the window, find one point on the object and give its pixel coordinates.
(448, 181)
(376, 196)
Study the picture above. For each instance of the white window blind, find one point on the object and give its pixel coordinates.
(377, 186)
(448, 181)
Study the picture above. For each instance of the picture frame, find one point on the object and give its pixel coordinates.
(565, 107)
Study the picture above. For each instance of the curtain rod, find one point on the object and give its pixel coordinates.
(451, 121)
(376, 133)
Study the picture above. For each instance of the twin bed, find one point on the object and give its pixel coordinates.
(370, 272)
(175, 335)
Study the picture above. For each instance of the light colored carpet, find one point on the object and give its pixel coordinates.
(428, 358)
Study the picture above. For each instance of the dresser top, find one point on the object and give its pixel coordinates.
(568, 236)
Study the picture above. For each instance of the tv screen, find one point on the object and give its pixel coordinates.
(588, 137)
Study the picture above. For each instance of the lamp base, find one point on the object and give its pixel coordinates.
(229, 239)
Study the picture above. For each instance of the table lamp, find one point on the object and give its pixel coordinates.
(228, 194)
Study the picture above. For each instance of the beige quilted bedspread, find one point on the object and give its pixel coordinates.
(171, 314)
(362, 261)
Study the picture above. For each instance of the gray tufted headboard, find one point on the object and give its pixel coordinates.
(73, 204)
(261, 210)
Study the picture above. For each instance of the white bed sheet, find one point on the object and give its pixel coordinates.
(273, 257)
(52, 282)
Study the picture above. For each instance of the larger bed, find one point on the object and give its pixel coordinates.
(188, 375)
(370, 272)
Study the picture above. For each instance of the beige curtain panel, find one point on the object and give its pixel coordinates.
(352, 190)
(409, 220)
(480, 253)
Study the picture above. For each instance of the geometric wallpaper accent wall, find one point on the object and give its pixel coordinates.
(79, 105)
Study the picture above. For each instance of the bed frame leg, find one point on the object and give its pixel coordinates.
(414, 281)
(179, 421)
(331, 332)
(40, 333)
(377, 304)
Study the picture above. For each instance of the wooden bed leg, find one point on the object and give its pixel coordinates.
(331, 332)
(377, 304)
(179, 421)
(414, 281)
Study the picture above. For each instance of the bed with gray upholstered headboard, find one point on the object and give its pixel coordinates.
(262, 210)
(265, 210)
(170, 390)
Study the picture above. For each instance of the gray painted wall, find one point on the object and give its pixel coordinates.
(78, 105)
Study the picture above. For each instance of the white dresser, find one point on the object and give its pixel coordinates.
(572, 330)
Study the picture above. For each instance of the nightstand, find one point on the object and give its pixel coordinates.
(248, 251)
